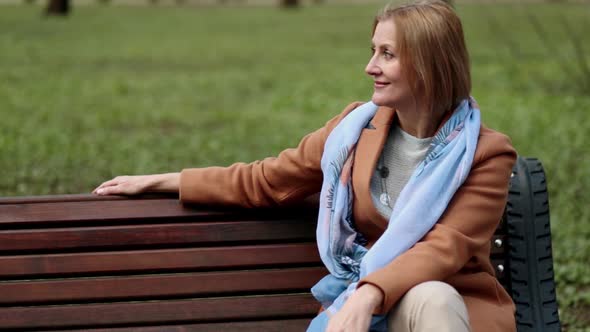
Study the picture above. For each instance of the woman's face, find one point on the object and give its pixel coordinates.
(391, 88)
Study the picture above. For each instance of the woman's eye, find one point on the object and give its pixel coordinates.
(382, 52)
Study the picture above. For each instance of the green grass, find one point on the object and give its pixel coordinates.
(133, 90)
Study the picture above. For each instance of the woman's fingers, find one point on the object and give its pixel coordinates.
(106, 191)
(114, 186)
(112, 182)
(123, 185)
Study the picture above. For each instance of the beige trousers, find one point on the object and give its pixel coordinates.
(429, 306)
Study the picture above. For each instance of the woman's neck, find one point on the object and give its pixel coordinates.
(419, 122)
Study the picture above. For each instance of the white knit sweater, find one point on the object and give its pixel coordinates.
(401, 154)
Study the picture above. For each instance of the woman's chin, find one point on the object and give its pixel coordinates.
(378, 100)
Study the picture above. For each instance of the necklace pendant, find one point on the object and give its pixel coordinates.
(384, 199)
(384, 172)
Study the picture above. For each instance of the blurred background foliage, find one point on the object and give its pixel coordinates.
(133, 89)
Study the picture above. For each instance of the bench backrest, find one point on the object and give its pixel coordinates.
(85, 261)
(149, 263)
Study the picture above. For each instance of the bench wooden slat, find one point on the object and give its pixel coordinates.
(201, 233)
(81, 198)
(119, 210)
(283, 325)
(159, 286)
(93, 210)
(137, 235)
(159, 260)
(198, 310)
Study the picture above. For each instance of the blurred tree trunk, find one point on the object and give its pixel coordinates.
(58, 7)
(289, 3)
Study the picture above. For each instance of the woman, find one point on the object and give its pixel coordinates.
(412, 188)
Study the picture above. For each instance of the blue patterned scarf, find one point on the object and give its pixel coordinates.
(433, 184)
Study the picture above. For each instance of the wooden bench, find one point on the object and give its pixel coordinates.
(81, 262)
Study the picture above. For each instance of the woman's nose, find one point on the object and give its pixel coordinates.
(372, 69)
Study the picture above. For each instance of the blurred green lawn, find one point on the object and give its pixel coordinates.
(133, 90)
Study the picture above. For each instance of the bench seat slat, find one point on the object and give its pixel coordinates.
(159, 286)
(103, 263)
(221, 309)
(159, 234)
(283, 325)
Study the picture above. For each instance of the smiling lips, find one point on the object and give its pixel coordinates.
(380, 84)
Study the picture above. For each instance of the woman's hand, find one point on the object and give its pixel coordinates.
(355, 315)
(137, 184)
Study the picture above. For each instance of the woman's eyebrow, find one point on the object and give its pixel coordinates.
(373, 44)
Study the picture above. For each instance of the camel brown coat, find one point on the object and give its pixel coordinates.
(456, 250)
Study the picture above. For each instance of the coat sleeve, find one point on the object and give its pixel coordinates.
(467, 224)
(291, 176)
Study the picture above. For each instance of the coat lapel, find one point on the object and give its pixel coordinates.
(367, 153)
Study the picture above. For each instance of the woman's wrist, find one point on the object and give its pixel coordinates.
(371, 295)
(168, 182)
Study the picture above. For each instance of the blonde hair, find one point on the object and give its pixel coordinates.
(432, 51)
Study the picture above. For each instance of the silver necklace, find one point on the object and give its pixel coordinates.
(383, 171)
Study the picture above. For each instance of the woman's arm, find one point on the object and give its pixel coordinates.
(293, 175)
(290, 177)
(137, 184)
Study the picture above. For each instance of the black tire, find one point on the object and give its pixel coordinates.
(529, 239)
